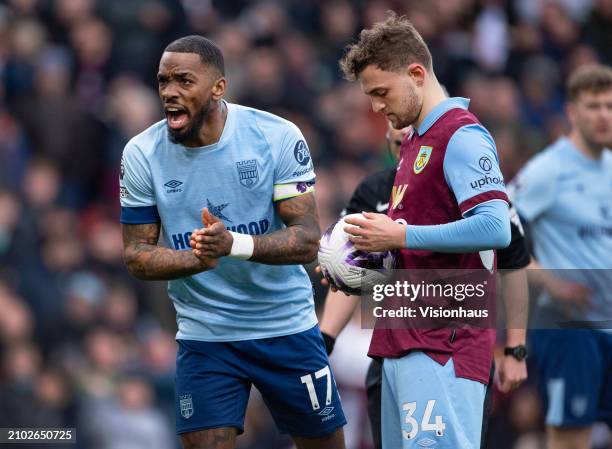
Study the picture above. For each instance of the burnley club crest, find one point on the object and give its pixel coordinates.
(422, 159)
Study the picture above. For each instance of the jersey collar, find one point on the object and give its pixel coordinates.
(439, 110)
(228, 129)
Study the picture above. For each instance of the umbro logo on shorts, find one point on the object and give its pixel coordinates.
(326, 411)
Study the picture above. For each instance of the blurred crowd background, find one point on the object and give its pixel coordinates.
(84, 345)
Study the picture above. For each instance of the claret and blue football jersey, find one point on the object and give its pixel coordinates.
(448, 166)
(259, 156)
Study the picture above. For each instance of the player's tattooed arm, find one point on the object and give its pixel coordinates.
(298, 243)
(146, 260)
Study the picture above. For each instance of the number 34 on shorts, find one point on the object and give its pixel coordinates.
(433, 407)
(412, 425)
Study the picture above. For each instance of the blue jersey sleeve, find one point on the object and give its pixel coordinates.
(292, 156)
(533, 190)
(487, 226)
(471, 168)
(138, 204)
(293, 168)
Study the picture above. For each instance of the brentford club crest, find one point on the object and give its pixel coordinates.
(186, 404)
(247, 172)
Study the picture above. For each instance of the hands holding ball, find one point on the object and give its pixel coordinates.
(355, 252)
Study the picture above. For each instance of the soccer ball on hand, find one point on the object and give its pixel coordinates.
(349, 269)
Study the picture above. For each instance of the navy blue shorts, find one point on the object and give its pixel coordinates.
(574, 373)
(213, 381)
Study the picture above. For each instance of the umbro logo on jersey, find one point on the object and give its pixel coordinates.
(382, 207)
(173, 186)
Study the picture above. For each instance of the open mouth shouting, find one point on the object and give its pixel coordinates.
(177, 117)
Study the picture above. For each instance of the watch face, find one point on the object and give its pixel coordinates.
(520, 352)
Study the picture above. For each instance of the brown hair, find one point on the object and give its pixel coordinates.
(390, 45)
(595, 78)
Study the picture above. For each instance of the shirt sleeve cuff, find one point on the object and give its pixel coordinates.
(483, 197)
(139, 215)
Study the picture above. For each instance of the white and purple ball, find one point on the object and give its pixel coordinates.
(349, 269)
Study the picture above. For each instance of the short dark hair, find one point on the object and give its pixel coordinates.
(595, 78)
(391, 44)
(209, 53)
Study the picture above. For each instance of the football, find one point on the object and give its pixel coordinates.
(353, 271)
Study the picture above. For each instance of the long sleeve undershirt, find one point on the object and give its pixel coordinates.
(487, 226)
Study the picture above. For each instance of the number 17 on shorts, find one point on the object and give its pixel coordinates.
(312, 392)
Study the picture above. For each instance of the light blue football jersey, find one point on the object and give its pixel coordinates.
(567, 200)
(235, 178)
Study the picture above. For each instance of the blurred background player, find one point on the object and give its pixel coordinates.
(237, 324)
(448, 209)
(372, 195)
(565, 196)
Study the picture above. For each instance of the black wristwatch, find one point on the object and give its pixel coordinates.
(518, 352)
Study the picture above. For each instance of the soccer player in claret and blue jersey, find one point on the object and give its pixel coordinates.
(372, 195)
(451, 208)
(244, 304)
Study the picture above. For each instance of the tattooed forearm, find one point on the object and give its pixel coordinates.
(296, 244)
(145, 260)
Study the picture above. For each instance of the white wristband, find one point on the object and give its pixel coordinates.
(242, 247)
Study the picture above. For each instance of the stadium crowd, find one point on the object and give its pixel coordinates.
(82, 344)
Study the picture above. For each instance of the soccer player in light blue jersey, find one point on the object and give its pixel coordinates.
(565, 195)
(244, 303)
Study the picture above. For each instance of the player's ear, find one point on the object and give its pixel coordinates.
(218, 88)
(417, 72)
